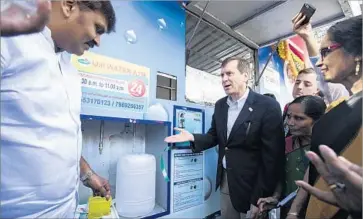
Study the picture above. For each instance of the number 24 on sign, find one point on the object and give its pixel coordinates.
(137, 88)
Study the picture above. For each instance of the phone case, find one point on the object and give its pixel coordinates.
(307, 10)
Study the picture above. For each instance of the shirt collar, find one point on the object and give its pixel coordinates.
(240, 100)
(47, 33)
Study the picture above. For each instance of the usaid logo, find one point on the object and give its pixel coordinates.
(84, 61)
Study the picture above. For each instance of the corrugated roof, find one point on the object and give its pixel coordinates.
(210, 46)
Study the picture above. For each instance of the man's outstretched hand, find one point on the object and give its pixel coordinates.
(30, 24)
(183, 136)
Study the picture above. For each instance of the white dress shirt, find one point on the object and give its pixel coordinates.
(234, 109)
(41, 138)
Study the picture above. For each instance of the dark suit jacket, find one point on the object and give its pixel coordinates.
(255, 149)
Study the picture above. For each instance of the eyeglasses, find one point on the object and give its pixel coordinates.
(325, 51)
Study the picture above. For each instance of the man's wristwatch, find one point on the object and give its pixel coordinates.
(86, 176)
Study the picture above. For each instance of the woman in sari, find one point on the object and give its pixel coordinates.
(340, 128)
(301, 115)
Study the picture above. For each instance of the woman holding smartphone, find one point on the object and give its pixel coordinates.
(340, 62)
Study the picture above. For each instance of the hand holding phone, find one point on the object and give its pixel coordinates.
(307, 10)
(301, 25)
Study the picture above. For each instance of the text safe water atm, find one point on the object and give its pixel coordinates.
(128, 153)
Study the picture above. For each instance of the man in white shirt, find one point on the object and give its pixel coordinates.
(41, 139)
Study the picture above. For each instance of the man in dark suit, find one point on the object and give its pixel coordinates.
(248, 129)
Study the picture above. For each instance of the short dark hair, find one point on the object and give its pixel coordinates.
(348, 33)
(103, 6)
(243, 66)
(307, 71)
(314, 106)
(270, 95)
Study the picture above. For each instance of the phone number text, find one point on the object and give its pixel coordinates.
(116, 104)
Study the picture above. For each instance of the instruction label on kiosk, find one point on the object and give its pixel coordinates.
(188, 179)
(112, 84)
(189, 119)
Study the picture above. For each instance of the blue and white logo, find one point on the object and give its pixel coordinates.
(84, 61)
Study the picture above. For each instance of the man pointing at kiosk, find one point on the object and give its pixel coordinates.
(248, 129)
(41, 138)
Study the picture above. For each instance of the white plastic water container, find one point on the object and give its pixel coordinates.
(135, 185)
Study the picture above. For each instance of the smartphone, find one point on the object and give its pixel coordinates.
(307, 10)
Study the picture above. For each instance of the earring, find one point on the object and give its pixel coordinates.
(357, 68)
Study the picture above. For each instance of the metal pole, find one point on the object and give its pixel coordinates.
(102, 128)
(245, 41)
(268, 60)
(197, 25)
